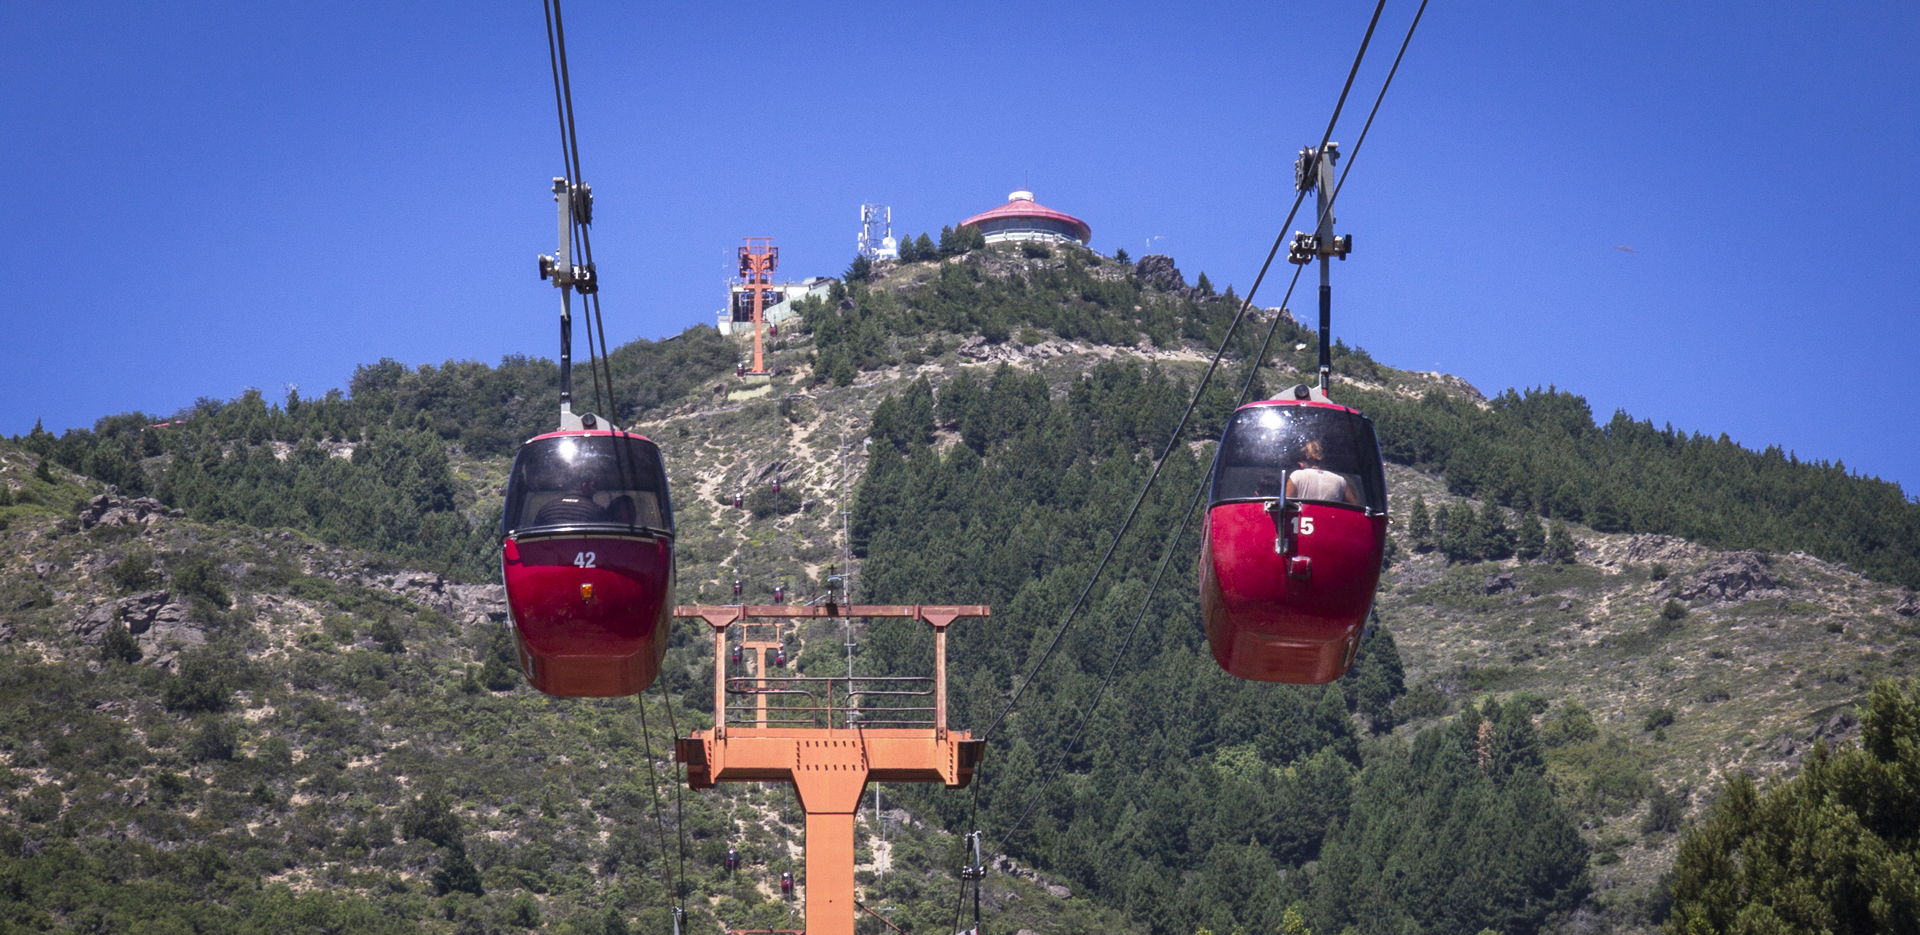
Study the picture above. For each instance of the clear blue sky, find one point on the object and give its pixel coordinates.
(204, 198)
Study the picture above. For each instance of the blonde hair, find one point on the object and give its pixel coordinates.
(1311, 451)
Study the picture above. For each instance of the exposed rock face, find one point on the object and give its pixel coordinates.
(1655, 548)
(1012, 868)
(977, 348)
(155, 621)
(1733, 576)
(112, 510)
(1497, 583)
(1159, 272)
(468, 604)
(1908, 607)
(1837, 728)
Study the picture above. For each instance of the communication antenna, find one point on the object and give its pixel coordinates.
(876, 233)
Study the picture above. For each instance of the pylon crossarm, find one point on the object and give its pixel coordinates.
(830, 766)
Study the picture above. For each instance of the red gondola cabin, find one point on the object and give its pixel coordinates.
(587, 555)
(1295, 533)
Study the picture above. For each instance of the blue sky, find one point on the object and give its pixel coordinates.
(202, 199)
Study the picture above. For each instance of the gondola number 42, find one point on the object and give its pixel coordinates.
(1303, 525)
(583, 560)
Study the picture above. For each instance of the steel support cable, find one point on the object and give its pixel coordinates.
(583, 241)
(1245, 390)
(659, 814)
(570, 155)
(1199, 390)
(679, 803)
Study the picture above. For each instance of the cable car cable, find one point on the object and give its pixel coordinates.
(1199, 389)
(580, 214)
(1245, 390)
(679, 803)
(659, 815)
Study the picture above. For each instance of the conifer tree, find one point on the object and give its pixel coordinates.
(1120, 256)
(1496, 540)
(1832, 850)
(1532, 537)
(859, 269)
(1203, 286)
(1420, 525)
(1461, 542)
(924, 248)
(1560, 547)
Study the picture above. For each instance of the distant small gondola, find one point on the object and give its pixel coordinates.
(1295, 534)
(587, 556)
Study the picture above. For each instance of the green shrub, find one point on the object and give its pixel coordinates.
(1673, 610)
(1657, 718)
(213, 739)
(42, 804)
(386, 636)
(118, 645)
(203, 684)
(135, 572)
(199, 578)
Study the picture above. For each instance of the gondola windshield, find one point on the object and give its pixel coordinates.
(1311, 453)
(575, 481)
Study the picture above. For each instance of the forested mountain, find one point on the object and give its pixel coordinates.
(277, 695)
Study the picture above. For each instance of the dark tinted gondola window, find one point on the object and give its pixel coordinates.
(1331, 455)
(588, 480)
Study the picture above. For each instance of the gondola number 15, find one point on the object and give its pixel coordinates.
(1303, 525)
(585, 559)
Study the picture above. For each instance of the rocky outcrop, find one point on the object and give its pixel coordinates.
(977, 348)
(1013, 868)
(1160, 272)
(1841, 726)
(1495, 584)
(156, 621)
(1909, 606)
(114, 510)
(1734, 576)
(1649, 547)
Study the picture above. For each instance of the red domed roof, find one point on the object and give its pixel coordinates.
(1022, 205)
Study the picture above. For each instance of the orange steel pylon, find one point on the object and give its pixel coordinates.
(758, 259)
(881, 731)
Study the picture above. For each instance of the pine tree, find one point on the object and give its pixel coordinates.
(1532, 538)
(1496, 540)
(859, 270)
(1560, 547)
(1420, 525)
(1832, 850)
(1461, 543)
(924, 249)
(1120, 256)
(1203, 286)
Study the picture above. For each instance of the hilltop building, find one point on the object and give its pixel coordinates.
(1022, 218)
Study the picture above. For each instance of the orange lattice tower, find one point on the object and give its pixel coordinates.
(758, 259)
(884, 729)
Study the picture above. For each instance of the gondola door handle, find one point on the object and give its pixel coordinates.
(1282, 513)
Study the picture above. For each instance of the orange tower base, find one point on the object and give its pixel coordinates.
(829, 766)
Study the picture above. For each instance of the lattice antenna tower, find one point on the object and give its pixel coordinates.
(876, 233)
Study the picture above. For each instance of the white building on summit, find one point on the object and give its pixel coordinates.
(1022, 218)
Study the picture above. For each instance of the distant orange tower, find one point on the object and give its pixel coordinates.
(758, 259)
(885, 729)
